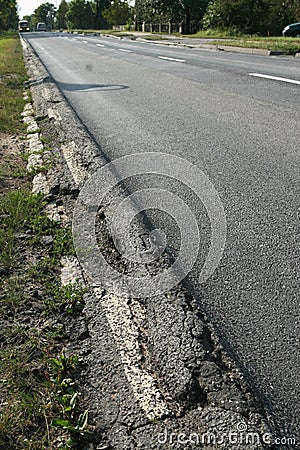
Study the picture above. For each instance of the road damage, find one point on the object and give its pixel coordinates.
(155, 374)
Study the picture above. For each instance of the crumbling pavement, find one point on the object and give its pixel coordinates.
(154, 374)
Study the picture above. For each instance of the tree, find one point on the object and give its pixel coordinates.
(44, 11)
(98, 7)
(61, 19)
(251, 16)
(8, 15)
(118, 13)
(186, 11)
(80, 15)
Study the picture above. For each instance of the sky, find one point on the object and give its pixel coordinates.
(26, 7)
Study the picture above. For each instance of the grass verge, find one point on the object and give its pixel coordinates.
(40, 406)
(12, 77)
(231, 38)
(289, 46)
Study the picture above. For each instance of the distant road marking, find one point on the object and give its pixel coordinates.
(125, 50)
(269, 77)
(100, 45)
(85, 42)
(172, 59)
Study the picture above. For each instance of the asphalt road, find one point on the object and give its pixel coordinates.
(218, 111)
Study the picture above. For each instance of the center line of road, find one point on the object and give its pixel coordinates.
(125, 50)
(269, 77)
(100, 45)
(172, 59)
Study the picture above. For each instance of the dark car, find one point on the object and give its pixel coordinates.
(291, 30)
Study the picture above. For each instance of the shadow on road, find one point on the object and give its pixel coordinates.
(91, 87)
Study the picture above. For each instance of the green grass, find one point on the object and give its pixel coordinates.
(216, 33)
(232, 38)
(17, 210)
(40, 406)
(39, 401)
(12, 77)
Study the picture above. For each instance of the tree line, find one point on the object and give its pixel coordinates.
(265, 17)
(82, 14)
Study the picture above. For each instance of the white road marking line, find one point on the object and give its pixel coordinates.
(172, 59)
(126, 335)
(79, 173)
(85, 42)
(125, 330)
(125, 50)
(74, 39)
(100, 45)
(269, 77)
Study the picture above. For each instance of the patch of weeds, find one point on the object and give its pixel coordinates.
(62, 238)
(71, 418)
(55, 333)
(18, 172)
(39, 395)
(44, 140)
(17, 209)
(39, 169)
(43, 150)
(21, 370)
(44, 270)
(68, 298)
(12, 292)
(63, 242)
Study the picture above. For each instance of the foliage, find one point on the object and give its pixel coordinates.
(8, 15)
(80, 14)
(246, 16)
(251, 16)
(118, 13)
(98, 7)
(158, 11)
(61, 20)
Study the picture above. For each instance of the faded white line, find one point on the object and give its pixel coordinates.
(100, 45)
(172, 59)
(125, 330)
(70, 152)
(85, 42)
(125, 50)
(270, 77)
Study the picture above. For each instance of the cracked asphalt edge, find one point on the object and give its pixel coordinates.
(155, 375)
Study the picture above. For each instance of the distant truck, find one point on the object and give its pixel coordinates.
(41, 26)
(23, 26)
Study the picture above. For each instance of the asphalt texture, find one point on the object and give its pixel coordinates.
(243, 133)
